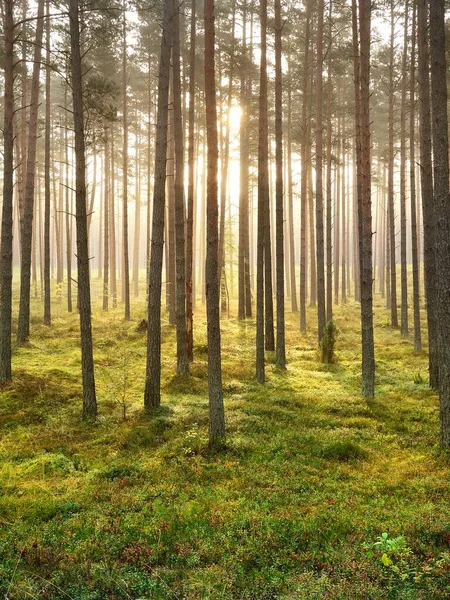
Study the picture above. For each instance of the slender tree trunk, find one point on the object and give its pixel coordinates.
(263, 206)
(404, 328)
(112, 224)
(137, 219)
(180, 267)
(47, 309)
(291, 238)
(362, 113)
(106, 226)
(442, 206)
(23, 329)
(304, 171)
(6, 242)
(216, 408)
(329, 203)
(243, 256)
(392, 244)
(152, 396)
(412, 187)
(126, 260)
(84, 292)
(426, 176)
(321, 315)
(190, 198)
(281, 337)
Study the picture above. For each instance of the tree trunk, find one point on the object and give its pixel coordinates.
(361, 46)
(6, 242)
(152, 395)
(125, 250)
(281, 337)
(403, 264)
(426, 177)
(304, 179)
(180, 266)
(442, 206)
(84, 292)
(412, 188)
(391, 212)
(47, 293)
(216, 408)
(23, 329)
(321, 315)
(190, 199)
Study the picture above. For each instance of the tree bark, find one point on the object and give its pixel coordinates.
(190, 199)
(442, 206)
(84, 292)
(281, 336)
(412, 188)
(216, 408)
(23, 329)
(426, 178)
(6, 242)
(180, 258)
(320, 261)
(152, 395)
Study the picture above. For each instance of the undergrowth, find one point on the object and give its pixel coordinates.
(318, 494)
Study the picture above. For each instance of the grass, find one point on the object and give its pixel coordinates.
(294, 508)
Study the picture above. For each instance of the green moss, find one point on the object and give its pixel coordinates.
(142, 509)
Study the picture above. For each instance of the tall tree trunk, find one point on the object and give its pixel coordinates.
(281, 337)
(47, 293)
(216, 408)
(137, 220)
(362, 113)
(112, 224)
(84, 292)
(412, 188)
(263, 206)
(182, 357)
(426, 177)
(225, 160)
(304, 179)
(23, 329)
(152, 395)
(403, 264)
(6, 242)
(442, 206)
(190, 198)
(291, 238)
(321, 315)
(329, 202)
(106, 227)
(391, 212)
(125, 250)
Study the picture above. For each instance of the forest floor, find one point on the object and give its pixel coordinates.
(318, 494)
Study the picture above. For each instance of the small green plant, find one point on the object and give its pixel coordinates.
(394, 555)
(118, 387)
(418, 379)
(328, 343)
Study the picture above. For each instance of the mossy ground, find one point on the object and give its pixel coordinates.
(139, 508)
